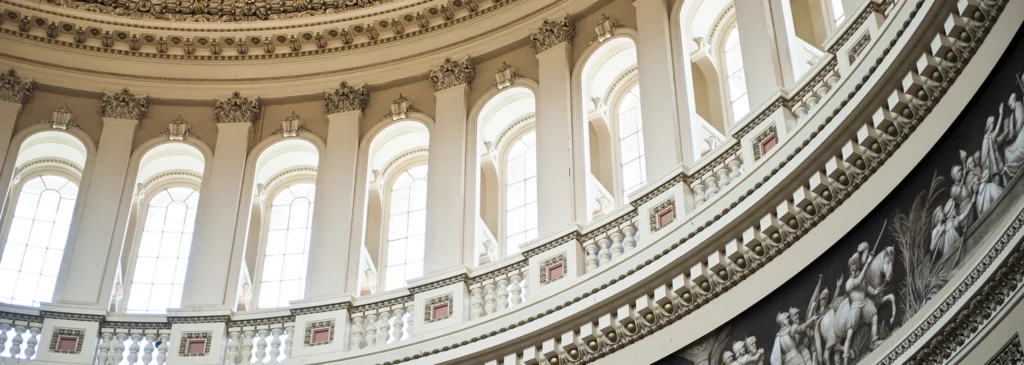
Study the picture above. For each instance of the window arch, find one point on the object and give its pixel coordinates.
(406, 227)
(521, 192)
(39, 211)
(632, 166)
(732, 57)
(286, 253)
(158, 276)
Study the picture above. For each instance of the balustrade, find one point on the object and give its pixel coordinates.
(717, 175)
(136, 345)
(498, 291)
(381, 323)
(259, 342)
(604, 247)
(19, 339)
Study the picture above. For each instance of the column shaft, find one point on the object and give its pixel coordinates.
(446, 181)
(665, 134)
(555, 185)
(332, 253)
(90, 253)
(208, 281)
(8, 118)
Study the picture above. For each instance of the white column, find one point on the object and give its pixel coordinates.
(89, 253)
(665, 135)
(332, 253)
(772, 56)
(8, 118)
(555, 196)
(207, 280)
(446, 181)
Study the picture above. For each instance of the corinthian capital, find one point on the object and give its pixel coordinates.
(346, 98)
(13, 89)
(124, 105)
(237, 109)
(452, 73)
(552, 32)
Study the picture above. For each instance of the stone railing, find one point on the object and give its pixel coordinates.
(434, 311)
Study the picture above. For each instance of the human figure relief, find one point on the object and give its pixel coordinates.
(787, 349)
(747, 353)
(991, 158)
(1014, 152)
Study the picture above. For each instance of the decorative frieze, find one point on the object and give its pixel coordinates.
(237, 109)
(552, 32)
(505, 75)
(605, 27)
(346, 98)
(452, 73)
(215, 11)
(124, 105)
(1011, 354)
(67, 340)
(13, 88)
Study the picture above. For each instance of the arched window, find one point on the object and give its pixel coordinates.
(631, 141)
(159, 274)
(521, 192)
(838, 13)
(407, 218)
(35, 237)
(737, 80)
(287, 248)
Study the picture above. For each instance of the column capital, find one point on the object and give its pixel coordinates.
(552, 32)
(237, 109)
(124, 105)
(452, 73)
(13, 88)
(346, 98)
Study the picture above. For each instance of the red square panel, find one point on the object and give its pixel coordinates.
(767, 144)
(665, 217)
(555, 272)
(320, 335)
(196, 347)
(439, 311)
(67, 343)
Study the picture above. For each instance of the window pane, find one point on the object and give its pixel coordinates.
(163, 251)
(406, 224)
(287, 246)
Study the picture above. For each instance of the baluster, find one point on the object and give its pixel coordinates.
(233, 345)
(591, 248)
(357, 333)
(629, 241)
(275, 345)
(161, 355)
(33, 342)
(711, 182)
(822, 90)
(16, 341)
(699, 191)
(800, 108)
(811, 100)
(410, 309)
(734, 167)
(517, 290)
(723, 175)
(371, 330)
(476, 302)
(616, 246)
(147, 354)
(261, 346)
(526, 283)
(133, 349)
(103, 356)
(396, 329)
(502, 294)
(832, 79)
(604, 255)
(490, 298)
(383, 328)
(290, 331)
(247, 346)
(117, 348)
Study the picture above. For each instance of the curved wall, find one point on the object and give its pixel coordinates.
(915, 240)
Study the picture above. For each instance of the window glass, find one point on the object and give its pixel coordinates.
(286, 255)
(164, 246)
(631, 142)
(407, 226)
(736, 78)
(35, 241)
(838, 13)
(521, 192)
